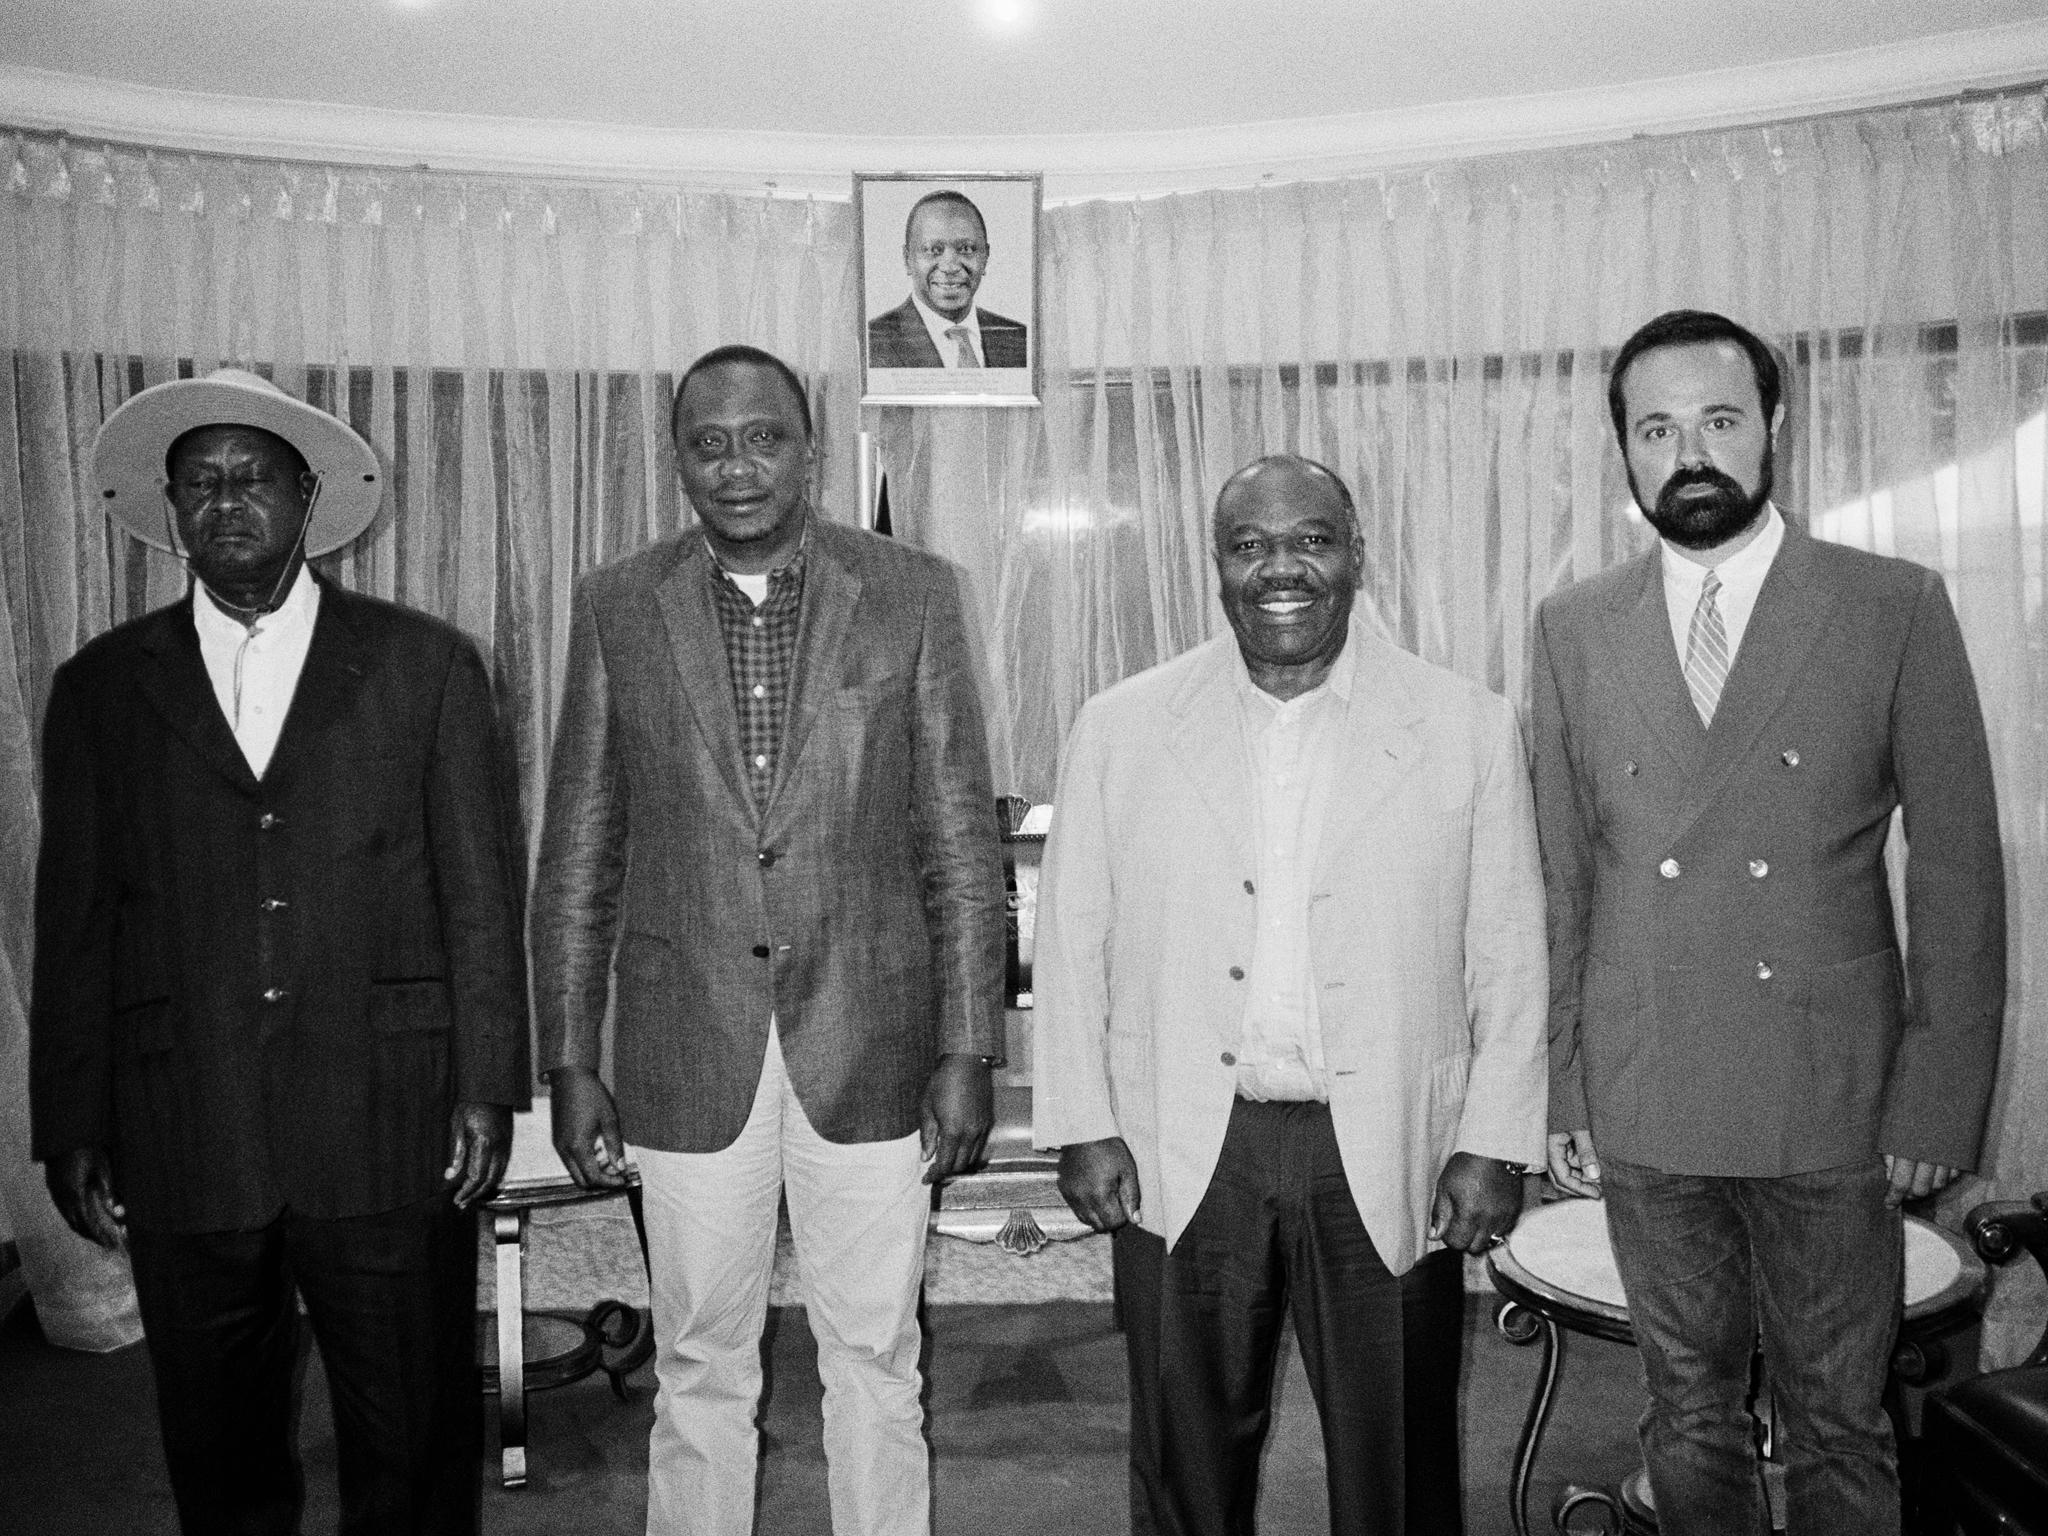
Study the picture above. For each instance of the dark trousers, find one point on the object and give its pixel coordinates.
(1277, 1235)
(1809, 1266)
(392, 1303)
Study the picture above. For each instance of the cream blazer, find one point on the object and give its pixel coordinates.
(1426, 935)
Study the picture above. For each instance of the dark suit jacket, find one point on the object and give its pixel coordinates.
(257, 993)
(864, 907)
(1727, 991)
(897, 339)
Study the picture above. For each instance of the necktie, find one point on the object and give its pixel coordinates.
(1706, 651)
(962, 339)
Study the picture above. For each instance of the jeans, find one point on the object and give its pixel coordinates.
(1811, 1267)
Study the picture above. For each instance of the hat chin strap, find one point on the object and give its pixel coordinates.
(246, 615)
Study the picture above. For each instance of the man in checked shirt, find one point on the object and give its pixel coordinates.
(770, 845)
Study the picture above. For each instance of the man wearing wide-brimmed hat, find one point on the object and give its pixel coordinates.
(278, 1024)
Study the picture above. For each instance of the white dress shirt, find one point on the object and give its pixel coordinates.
(1293, 747)
(937, 324)
(1742, 577)
(255, 671)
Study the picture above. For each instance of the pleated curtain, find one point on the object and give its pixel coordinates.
(1439, 336)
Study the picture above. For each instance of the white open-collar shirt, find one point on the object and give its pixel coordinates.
(255, 670)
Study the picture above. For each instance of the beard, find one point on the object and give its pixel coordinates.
(1704, 522)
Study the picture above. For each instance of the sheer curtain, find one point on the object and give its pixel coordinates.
(1439, 336)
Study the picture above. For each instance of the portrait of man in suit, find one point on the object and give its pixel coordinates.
(946, 254)
(1767, 1067)
(770, 853)
(1289, 1031)
(279, 1024)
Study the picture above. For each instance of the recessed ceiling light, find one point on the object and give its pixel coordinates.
(1007, 18)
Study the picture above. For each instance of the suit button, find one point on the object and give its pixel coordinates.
(274, 995)
(1630, 768)
(1759, 868)
(767, 858)
(1237, 973)
(269, 821)
(273, 904)
(1668, 869)
(1789, 757)
(1763, 970)
(1230, 1058)
(760, 951)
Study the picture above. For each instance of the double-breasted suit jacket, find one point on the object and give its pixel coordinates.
(1728, 995)
(1425, 933)
(862, 908)
(268, 992)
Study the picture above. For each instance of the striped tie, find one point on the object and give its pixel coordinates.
(962, 339)
(1706, 651)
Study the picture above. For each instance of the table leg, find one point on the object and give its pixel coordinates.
(1519, 1325)
(508, 1228)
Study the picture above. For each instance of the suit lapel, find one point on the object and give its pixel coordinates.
(1651, 675)
(1791, 613)
(830, 593)
(697, 646)
(1380, 747)
(336, 659)
(177, 687)
(1208, 742)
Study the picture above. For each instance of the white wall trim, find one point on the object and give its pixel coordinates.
(1076, 166)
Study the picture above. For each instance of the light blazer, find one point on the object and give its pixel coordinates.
(864, 908)
(1426, 935)
(259, 992)
(897, 338)
(1727, 994)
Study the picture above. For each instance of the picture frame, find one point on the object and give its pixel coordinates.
(915, 306)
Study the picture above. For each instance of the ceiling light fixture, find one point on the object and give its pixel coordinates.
(1007, 18)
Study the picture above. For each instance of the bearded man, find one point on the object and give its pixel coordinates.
(1724, 729)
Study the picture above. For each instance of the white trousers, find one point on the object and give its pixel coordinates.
(859, 1214)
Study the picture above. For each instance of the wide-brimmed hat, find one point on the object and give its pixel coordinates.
(128, 455)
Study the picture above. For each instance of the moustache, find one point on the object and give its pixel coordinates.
(1301, 589)
(1706, 474)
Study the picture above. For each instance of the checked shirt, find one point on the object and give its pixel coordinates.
(760, 654)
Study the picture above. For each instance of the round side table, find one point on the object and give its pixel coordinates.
(1557, 1274)
(538, 1350)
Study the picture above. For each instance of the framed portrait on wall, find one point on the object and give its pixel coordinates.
(949, 285)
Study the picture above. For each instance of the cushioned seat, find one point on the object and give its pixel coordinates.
(1986, 1440)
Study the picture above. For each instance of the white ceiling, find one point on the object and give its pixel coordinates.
(874, 83)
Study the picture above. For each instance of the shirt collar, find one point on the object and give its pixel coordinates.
(938, 324)
(792, 568)
(1746, 565)
(215, 622)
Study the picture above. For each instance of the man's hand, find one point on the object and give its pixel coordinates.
(82, 1183)
(587, 1128)
(1478, 1202)
(959, 1108)
(1913, 1180)
(479, 1146)
(1573, 1166)
(1099, 1182)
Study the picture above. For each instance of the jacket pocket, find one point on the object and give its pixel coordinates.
(410, 1007)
